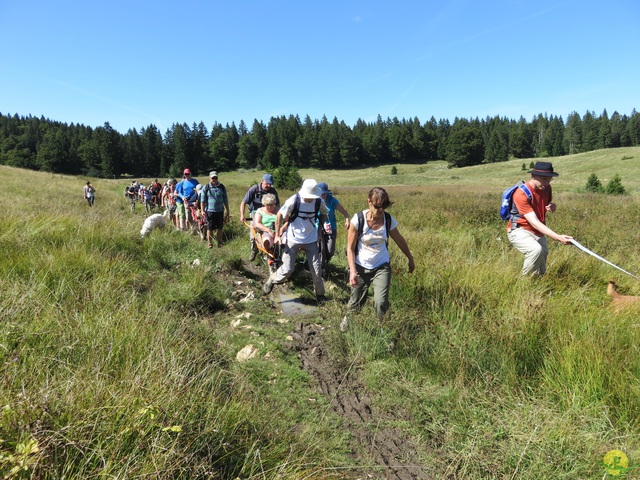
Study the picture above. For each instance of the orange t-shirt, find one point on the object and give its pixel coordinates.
(539, 200)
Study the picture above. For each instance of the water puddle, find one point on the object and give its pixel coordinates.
(291, 304)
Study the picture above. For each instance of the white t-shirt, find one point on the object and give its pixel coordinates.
(372, 246)
(303, 229)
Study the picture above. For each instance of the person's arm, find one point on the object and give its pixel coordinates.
(279, 222)
(352, 241)
(404, 247)
(242, 208)
(533, 220)
(344, 212)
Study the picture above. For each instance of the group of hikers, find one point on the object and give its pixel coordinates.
(308, 218)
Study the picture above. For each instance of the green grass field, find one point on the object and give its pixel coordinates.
(118, 355)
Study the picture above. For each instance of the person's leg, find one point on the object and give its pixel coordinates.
(210, 227)
(360, 292)
(541, 264)
(535, 254)
(381, 282)
(315, 268)
(331, 245)
(219, 224)
(181, 216)
(358, 297)
(288, 263)
(252, 239)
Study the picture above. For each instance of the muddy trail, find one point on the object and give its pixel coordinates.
(377, 451)
(388, 450)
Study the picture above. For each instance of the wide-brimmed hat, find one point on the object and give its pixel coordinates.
(543, 169)
(324, 188)
(310, 189)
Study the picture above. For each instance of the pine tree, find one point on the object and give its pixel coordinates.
(614, 187)
(594, 184)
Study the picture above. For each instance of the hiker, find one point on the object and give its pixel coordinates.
(214, 201)
(253, 198)
(131, 192)
(184, 193)
(526, 228)
(89, 193)
(296, 230)
(368, 255)
(330, 224)
(264, 220)
(169, 200)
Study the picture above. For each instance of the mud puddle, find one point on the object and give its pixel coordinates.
(291, 304)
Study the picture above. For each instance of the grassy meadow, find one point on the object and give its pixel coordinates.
(118, 355)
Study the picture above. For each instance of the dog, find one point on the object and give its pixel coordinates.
(620, 302)
(157, 220)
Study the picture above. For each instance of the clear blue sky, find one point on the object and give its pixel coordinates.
(135, 63)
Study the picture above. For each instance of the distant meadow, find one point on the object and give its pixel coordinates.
(117, 354)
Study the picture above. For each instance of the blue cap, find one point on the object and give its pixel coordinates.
(267, 177)
(324, 187)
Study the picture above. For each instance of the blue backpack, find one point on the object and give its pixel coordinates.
(508, 211)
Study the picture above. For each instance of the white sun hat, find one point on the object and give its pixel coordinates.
(310, 189)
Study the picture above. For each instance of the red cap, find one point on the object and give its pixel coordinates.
(186, 172)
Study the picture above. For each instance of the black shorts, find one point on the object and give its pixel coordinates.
(215, 220)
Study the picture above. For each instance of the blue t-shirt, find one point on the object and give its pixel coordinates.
(186, 189)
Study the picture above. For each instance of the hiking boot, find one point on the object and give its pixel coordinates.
(210, 245)
(344, 324)
(320, 299)
(267, 287)
(254, 251)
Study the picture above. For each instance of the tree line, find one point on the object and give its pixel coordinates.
(287, 142)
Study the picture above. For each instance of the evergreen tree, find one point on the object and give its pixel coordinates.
(53, 152)
(464, 146)
(594, 184)
(573, 134)
(614, 187)
(498, 146)
(589, 132)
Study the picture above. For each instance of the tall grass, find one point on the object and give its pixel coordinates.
(118, 358)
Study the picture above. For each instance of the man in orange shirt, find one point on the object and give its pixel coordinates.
(527, 229)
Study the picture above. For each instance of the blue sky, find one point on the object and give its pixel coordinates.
(135, 63)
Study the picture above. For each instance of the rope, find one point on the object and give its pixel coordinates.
(586, 250)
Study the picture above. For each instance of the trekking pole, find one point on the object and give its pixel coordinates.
(586, 250)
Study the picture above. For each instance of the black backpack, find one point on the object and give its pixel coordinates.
(296, 208)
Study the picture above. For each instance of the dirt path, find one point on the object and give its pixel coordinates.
(393, 455)
(378, 451)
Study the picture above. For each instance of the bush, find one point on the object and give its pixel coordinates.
(594, 184)
(524, 167)
(394, 170)
(614, 187)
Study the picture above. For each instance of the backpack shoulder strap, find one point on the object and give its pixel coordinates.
(295, 208)
(387, 222)
(525, 189)
(361, 221)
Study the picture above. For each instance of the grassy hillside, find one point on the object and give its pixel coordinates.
(118, 355)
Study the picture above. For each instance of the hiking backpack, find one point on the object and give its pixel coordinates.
(508, 211)
(296, 208)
